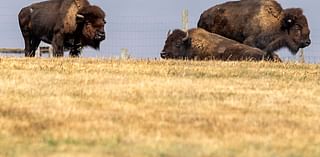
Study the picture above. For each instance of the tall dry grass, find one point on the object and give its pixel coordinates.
(141, 108)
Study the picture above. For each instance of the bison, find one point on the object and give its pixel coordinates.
(258, 23)
(200, 44)
(66, 24)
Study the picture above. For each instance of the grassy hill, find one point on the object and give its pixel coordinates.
(141, 108)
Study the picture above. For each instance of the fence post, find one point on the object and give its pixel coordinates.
(38, 52)
(50, 51)
(301, 56)
(185, 19)
(124, 54)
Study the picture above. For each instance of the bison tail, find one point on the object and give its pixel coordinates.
(25, 17)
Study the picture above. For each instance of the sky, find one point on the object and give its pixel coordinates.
(141, 26)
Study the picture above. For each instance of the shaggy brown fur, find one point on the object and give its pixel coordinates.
(258, 23)
(200, 44)
(66, 24)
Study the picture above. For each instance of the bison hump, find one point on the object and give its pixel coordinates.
(269, 15)
(70, 24)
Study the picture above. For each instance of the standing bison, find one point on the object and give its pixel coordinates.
(200, 44)
(258, 23)
(66, 24)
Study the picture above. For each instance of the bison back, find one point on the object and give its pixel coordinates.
(238, 20)
(210, 45)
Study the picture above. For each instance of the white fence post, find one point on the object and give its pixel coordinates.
(124, 54)
(301, 56)
(50, 52)
(38, 53)
(185, 19)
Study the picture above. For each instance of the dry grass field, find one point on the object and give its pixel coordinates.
(146, 108)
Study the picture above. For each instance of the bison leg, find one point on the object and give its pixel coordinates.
(31, 46)
(34, 46)
(27, 42)
(276, 58)
(76, 49)
(273, 46)
(74, 53)
(57, 45)
(27, 46)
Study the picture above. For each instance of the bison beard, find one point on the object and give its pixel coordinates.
(203, 45)
(262, 24)
(66, 24)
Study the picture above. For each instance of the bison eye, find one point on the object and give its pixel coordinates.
(297, 27)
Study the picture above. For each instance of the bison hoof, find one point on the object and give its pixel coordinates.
(74, 54)
(29, 54)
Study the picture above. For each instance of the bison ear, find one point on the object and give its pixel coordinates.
(169, 33)
(80, 18)
(290, 17)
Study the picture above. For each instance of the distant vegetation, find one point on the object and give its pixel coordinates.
(11, 50)
(147, 108)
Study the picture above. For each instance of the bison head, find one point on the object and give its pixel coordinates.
(296, 24)
(176, 45)
(91, 20)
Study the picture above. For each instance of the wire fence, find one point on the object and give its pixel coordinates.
(142, 36)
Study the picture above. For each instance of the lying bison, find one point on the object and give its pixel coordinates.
(66, 24)
(200, 44)
(258, 23)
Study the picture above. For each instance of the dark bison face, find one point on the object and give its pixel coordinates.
(93, 21)
(176, 45)
(296, 24)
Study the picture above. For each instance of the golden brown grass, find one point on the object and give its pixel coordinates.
(90, 107)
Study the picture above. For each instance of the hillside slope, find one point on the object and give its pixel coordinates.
(141, 108)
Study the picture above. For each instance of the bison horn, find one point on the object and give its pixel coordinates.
(80, 16)
(187, 36)
(169, 32)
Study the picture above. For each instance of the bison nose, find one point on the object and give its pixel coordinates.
(308, 42)
(100, 36)
(305, 43)
(164, 55)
